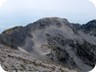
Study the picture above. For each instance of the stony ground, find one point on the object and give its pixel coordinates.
(14, 60)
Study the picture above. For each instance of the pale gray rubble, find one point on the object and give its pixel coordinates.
(15, 60)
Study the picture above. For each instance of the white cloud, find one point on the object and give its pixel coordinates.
(62, 5)
(2, 2)
(94, 2)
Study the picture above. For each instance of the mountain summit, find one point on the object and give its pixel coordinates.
(54, 40)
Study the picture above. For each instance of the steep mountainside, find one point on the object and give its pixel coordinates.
(55, 40)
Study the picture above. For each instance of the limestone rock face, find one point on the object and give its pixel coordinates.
(54, 40)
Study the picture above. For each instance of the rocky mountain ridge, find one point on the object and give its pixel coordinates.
(57, 40)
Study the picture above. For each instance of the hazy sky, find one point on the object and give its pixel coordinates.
(22, 12)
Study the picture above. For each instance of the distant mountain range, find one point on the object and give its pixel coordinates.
(49, 45)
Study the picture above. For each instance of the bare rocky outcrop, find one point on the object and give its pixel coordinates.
(55, 40)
